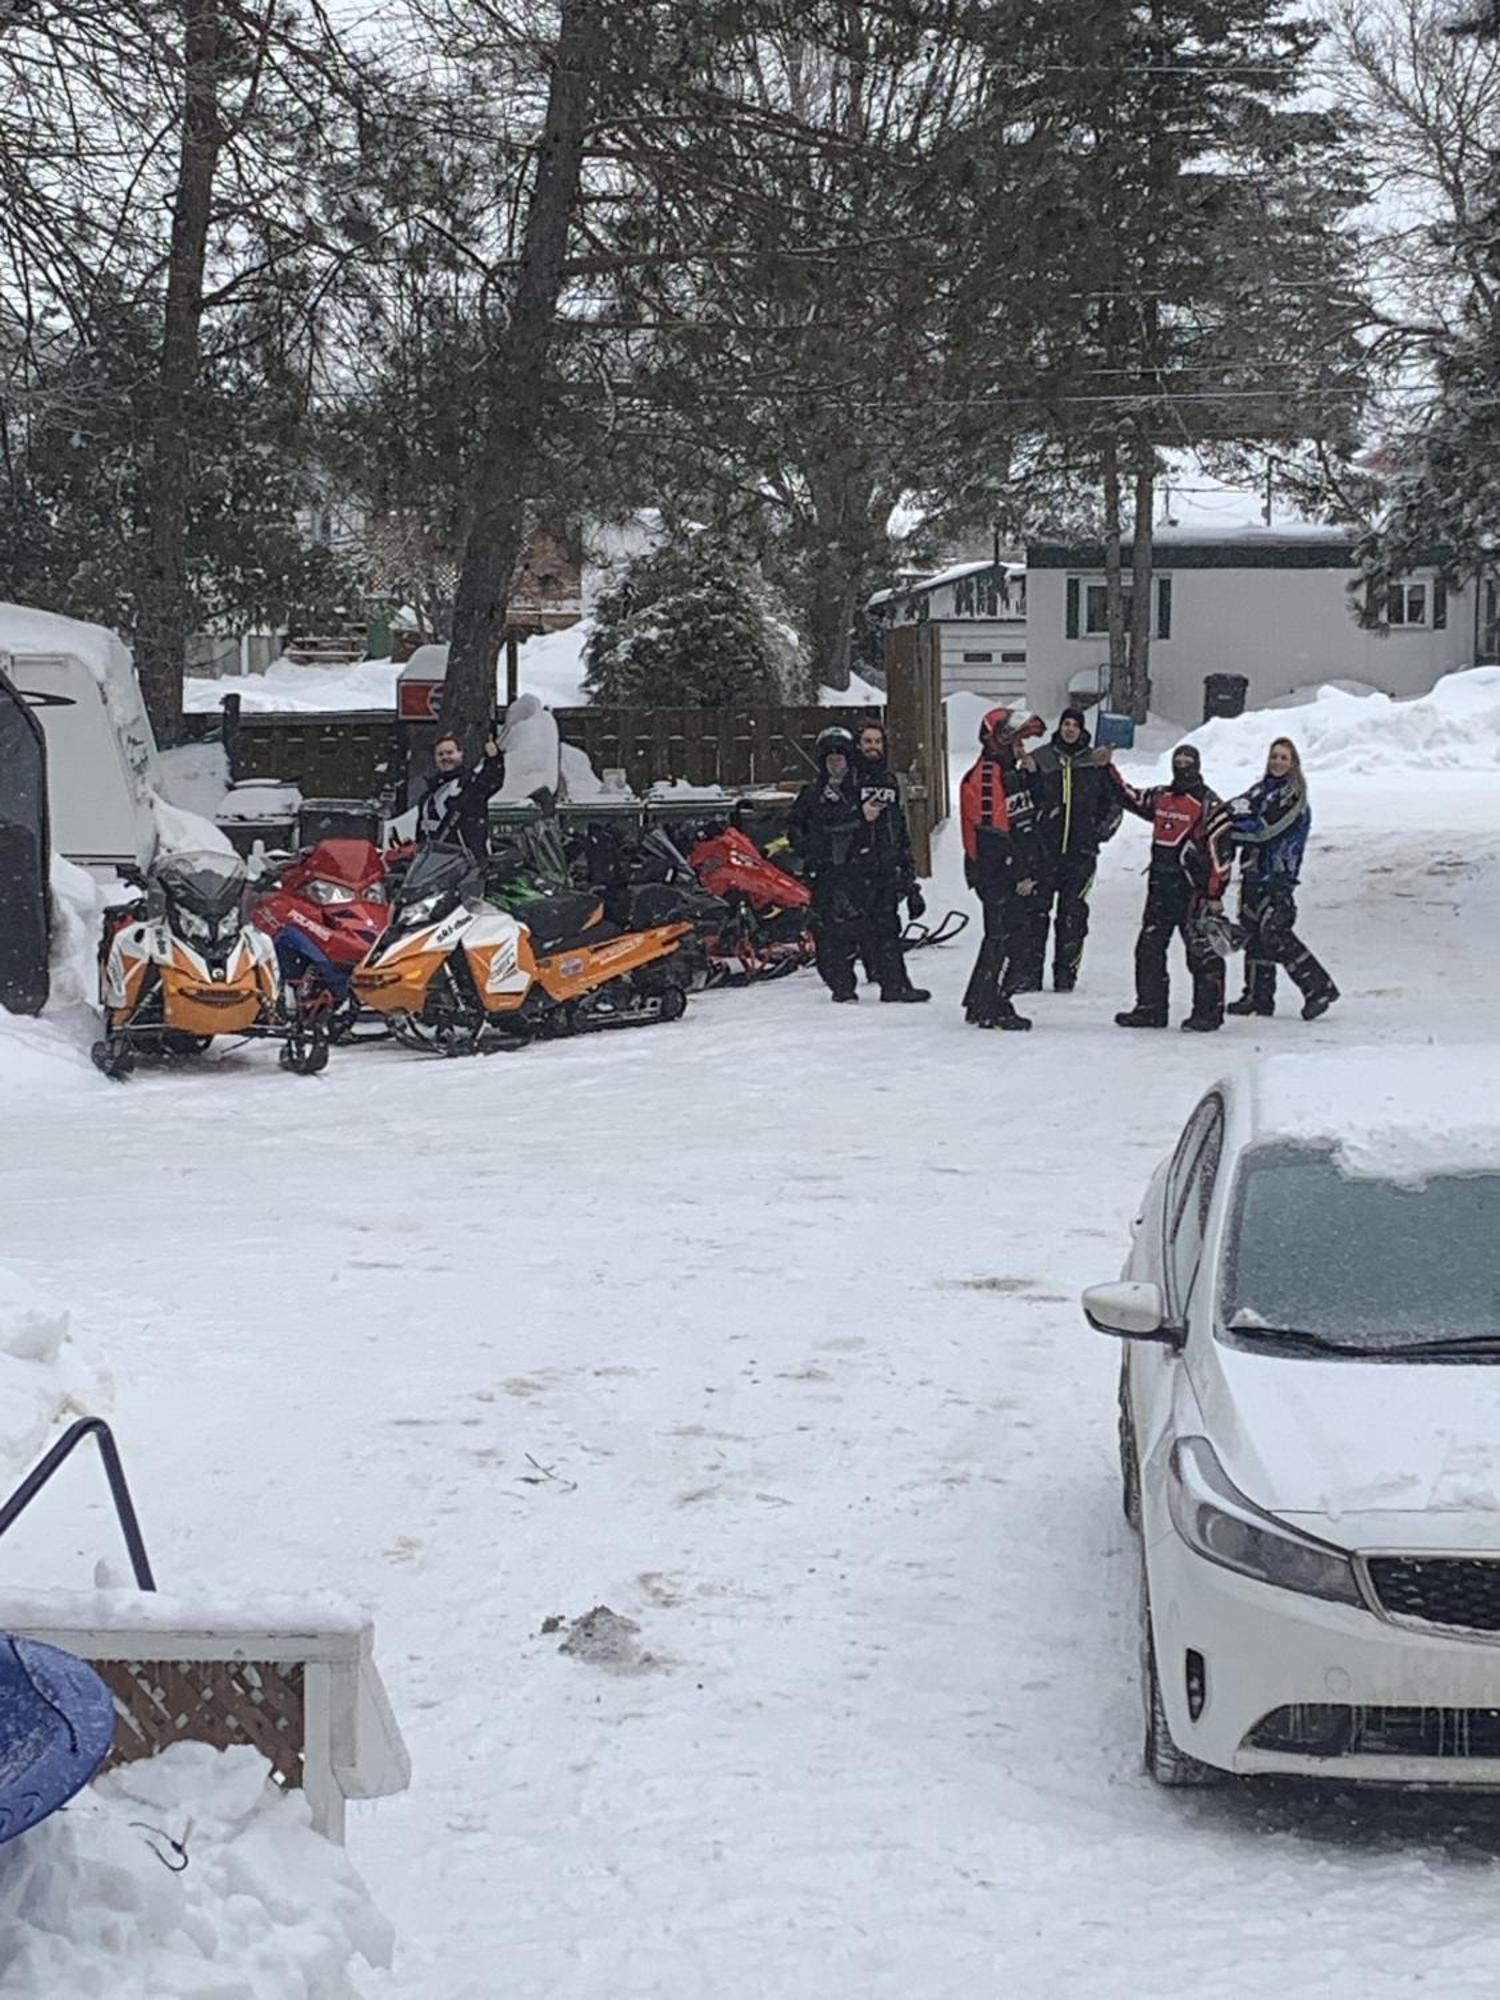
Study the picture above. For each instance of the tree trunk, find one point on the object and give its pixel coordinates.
(1141, 585)
(162, 604)
(517, 377)
(1114, 593)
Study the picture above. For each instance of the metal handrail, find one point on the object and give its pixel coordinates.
(114, 1471)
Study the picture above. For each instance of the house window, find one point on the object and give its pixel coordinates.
(1406, 604)
(978, 659)
(1088, 608)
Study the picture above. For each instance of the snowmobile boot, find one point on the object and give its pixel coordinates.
(1065, 982)
(844, 999)
(908, 994)
(1247, 1005)
(1318, 1004)
(1140, 1017)
(1201, 1024)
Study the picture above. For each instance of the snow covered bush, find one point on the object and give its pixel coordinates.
(690, 624)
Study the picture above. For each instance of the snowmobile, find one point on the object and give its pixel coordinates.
(769, 934)
(646, 880)
(322, 912)
(456, 974)
(181, 966)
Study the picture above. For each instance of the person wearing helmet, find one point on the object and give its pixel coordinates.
(1270, 826)
(1187, 877)
(835, 832)
(1002, 863)
(1078, 810)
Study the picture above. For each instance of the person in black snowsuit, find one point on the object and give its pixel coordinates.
(1269, 827)
(1078, 809)
(1187, 877)
(895, 866)
(836, 832)
(454, 805)
(1003, 863)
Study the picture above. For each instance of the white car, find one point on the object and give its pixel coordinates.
(1310, 1422)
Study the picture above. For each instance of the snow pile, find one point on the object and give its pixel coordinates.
(1396, 1113)
(42, 1377)
(95, 1901)
(1455, 728)
(40, 1051)
(195, 776)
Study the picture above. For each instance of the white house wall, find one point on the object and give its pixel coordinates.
(1001, 677)
(1281, 628)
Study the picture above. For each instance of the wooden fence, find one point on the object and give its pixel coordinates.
(369, 754)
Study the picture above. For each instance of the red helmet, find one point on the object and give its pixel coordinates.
(1009, 725)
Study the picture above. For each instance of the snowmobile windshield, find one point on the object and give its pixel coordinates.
(1321, 1261)
(208, 884)
(438, 872)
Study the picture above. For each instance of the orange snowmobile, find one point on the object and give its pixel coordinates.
(454, 973)
(181, 966)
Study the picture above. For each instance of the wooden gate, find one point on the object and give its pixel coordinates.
(919, 729)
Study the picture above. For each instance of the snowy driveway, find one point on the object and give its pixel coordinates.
(762, 1331)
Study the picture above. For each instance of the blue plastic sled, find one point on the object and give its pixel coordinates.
(57, 1722)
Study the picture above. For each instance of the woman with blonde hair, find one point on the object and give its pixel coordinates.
(1270, 826)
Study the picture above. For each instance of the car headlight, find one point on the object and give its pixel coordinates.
(1222, 1526)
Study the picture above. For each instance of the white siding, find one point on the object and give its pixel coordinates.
(984, 657)
(1281, 628)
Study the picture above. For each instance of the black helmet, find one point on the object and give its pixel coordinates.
(836, 737)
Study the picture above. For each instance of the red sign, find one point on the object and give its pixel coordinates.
(419, 701)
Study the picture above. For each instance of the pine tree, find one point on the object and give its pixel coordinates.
(685, 625)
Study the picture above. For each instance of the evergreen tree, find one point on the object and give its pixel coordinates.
(685, 625)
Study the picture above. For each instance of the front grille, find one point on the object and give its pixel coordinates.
(1324, 1729)
(1440, 1590)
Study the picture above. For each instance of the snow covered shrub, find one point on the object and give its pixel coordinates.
(688, 624)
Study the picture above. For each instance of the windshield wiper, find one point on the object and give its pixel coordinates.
(1298, 1340)
(1448, 1343)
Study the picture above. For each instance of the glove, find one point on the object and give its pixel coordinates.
(916, 903)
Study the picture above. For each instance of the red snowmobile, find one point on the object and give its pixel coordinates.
(323, 912)
(768, 933)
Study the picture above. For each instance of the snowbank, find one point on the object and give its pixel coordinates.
(90, 1903)
(40, 1052)
(1395, 1113)
(43, 1377)
(551, 668)
(1455, 728)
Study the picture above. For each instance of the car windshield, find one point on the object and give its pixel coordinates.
(1361, 1265)
(208, 883)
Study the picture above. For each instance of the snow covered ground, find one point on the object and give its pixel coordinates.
(551, 667)
(760, 1330)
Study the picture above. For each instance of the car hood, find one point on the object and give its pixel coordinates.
(1349, 1438)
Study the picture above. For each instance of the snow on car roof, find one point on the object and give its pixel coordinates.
(1391, 1113)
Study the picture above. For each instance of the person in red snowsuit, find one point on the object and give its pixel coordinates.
(1003, 862)
(1187, 877)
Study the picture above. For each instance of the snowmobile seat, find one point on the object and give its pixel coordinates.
(571, 917)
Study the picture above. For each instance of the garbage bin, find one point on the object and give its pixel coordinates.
(1224, 694)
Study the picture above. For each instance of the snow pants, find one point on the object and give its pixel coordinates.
(1170, 901)
(854, 916)
(1268, 912)
(1062, 909)
(1004, 955)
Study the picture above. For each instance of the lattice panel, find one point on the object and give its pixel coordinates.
(222, 1702)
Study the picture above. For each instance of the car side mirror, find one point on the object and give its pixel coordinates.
(1130, 1309)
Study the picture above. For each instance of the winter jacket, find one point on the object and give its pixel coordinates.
(1189, 832)
(453, 805)
(827, 827)
(1078, 808)
(998, 817)
(890, 836)
(1270, 826)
